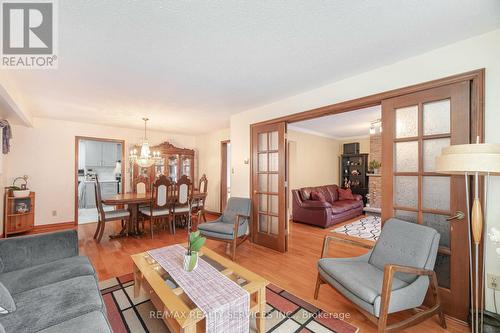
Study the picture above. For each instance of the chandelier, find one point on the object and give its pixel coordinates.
(145, 159)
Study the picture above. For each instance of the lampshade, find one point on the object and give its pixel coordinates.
(478, 157)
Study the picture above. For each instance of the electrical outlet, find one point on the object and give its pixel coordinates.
(493, 281)
(54, 213)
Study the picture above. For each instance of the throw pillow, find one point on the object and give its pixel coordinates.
(7, 304)
(345, 194)
(318, 196)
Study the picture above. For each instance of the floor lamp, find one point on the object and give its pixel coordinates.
(480, 159)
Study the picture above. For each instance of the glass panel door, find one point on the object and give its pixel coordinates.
(416, 127)
(268, 170)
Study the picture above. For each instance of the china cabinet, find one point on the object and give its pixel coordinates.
(174, 162)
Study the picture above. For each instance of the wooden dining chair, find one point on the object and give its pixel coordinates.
(160, 207)
(183, 193)
(141, 184)
(199, 204)
(104, 216)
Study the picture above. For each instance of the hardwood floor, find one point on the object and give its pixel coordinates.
(294, 271)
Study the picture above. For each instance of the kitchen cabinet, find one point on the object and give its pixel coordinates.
(109, 156)
(101, 153)
(93, 153)
(107, 189)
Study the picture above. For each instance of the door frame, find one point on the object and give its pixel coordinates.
(77, 141)
(223, 173)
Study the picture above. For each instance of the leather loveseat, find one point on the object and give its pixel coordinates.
(324, 213)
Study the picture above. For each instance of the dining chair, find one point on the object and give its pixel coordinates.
(199, 203)
(160, 207)
(232, 226)
(104, 216)
(394, 276)
(141, 184)
(183, 193)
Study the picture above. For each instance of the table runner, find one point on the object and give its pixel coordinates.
(225, 304)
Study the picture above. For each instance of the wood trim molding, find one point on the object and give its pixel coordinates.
(123, 179)
(43, 228)
(375, 99)
(223, 173)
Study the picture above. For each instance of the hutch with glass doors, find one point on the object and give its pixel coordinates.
(173, 162)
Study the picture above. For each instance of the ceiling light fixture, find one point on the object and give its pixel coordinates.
(145, 159)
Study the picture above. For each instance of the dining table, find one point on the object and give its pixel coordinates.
(133, 201)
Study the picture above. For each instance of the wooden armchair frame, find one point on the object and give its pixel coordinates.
(389, 271)
(236, 241)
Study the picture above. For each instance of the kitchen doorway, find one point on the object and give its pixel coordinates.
(96, 157)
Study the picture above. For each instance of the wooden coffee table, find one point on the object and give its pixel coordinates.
(178, 312)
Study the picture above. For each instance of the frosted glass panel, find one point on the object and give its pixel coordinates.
(437, 117)
(273, 201)
(273, 162)
(406, 215)
(263, 223)
(432, 149)
(262, 141)
(273, 183)
(263, 182)
(442, 269)
(406, 156)
(407, 122)
(262, 202)
(406, 191)
(274, 225)
(436, 193)
(273, 141)
(263, 162)
(439, 223)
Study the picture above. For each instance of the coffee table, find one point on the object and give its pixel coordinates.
(175, 308)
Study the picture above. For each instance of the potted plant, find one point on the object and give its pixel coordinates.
(195, 243)
(374, 165)
(20, 191)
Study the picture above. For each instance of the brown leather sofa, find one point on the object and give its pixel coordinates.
(324, 214)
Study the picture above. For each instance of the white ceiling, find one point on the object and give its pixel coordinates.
(342, 126)
(188, 65)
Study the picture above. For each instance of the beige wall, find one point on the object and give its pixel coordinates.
(46, 153)
(478, 52)
(208, 147)
(313, 160)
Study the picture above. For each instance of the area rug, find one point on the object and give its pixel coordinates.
(285, 313)
(366, 228)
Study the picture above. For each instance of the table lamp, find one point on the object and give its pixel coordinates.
(479, 159)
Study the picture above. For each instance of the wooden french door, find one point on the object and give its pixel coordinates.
(416, 127)
(269, 185)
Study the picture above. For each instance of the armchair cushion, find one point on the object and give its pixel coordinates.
(235, 206)
(360, 278)
(222, 230)
(407, 244)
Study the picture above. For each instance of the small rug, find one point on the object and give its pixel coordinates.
(285, 313)
(366, 228)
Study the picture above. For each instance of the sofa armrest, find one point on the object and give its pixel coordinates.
(358, 197)
(315, 204)
(27, 251)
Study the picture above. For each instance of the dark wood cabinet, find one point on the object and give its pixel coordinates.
(174, 162)
(19, 213)
(354, 173)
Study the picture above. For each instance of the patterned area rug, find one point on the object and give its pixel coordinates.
(285, 313)
(367, 228)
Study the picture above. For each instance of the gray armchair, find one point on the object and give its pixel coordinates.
(394, 276)
(232, 226)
